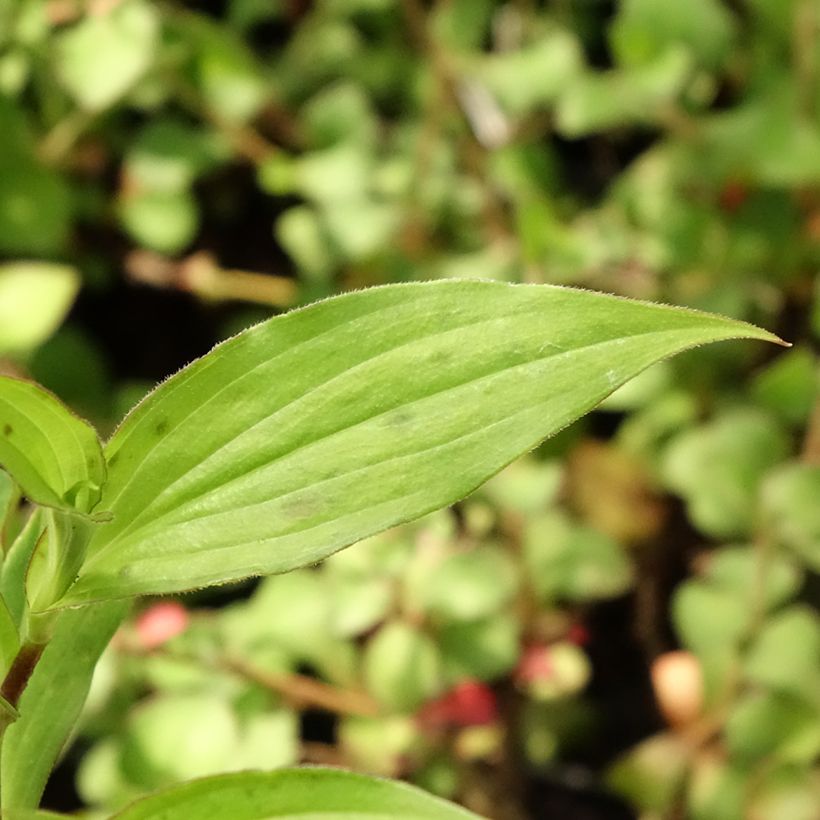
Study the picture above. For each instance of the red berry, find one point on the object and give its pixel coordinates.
(161, 622)
(469, 703)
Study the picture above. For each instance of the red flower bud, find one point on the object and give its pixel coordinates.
(161, 622)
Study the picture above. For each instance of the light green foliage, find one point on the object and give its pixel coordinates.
(344, 447)
(55, 457)
(294, 793)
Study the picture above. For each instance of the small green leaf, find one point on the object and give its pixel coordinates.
(316, 429)
(51, 702)
(785, 656)
(34, 299)
(566, 561)
(471, 585)
(54, 456)
(102, 56)
(791, 509)
(718, 468)
(331, 794)
(402, 667)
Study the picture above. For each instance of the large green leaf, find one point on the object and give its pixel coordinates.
(51, 702)
(54, 456)
(329, 794)
(313, 430)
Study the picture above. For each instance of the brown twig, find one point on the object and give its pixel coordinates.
(201, 275)
(302, 691)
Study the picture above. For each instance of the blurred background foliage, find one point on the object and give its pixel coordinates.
(625, 623)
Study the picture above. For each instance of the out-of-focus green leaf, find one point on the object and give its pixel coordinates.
(226, 71)
(294, 793)
(100, 780)
(790, 386)
(738, 570)
(786, 654)
(358, 604)
(318, 423)
(402, 667)
(643, 30)
(471, 585)
(52, 700)
(484, 649)
(165, 221)
(769, 724)
(54, 456)
(531, 77)
(378, 745)
(786, 791)
(35, 207)
(791, 508)
(34, 299)
(650, 775)
(178, 737)
(570, 562)
(716, 789)
(598, 101)
(102, 56)
(718, 468)
(168, 155)
(709, 618)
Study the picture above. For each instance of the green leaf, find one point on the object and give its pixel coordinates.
(34, 299)
(773, 725)
(791, 509)
(293, 793)
(718, 467)
(165, 221)
(9, 639)
(101, 57)
(13, 572)
(54, 456)
(51, 702)
(402, 667)
(313, 430)
(644, 29)
(470, 585)
(484, 649)
(786, 654)
(179, 737)
(567, 561)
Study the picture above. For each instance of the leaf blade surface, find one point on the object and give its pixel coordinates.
(318, 428)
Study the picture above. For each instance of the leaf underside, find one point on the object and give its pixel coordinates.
(315, 429)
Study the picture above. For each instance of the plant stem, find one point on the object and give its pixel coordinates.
(21, 670)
